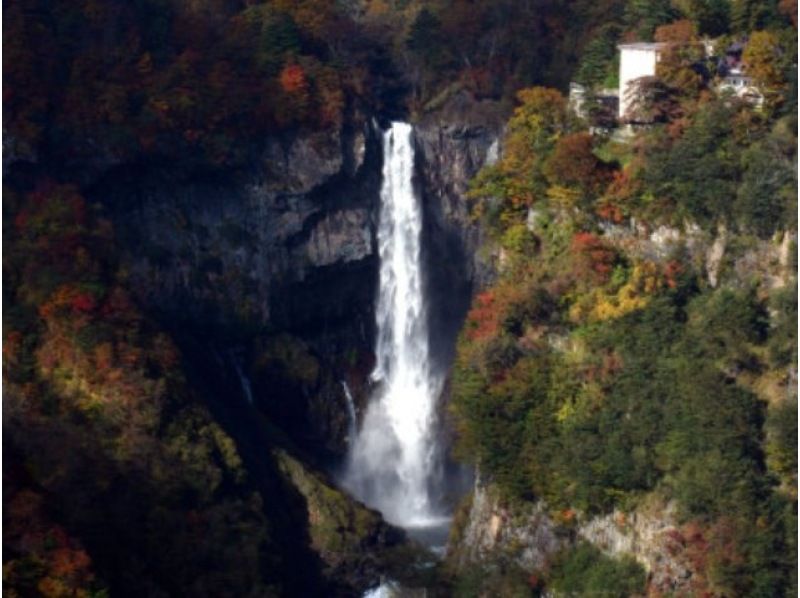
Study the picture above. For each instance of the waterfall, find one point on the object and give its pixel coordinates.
(392, 463)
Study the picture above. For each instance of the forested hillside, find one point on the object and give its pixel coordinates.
(105, 444)
(614, 359)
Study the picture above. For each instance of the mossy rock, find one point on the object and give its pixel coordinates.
(343, 531)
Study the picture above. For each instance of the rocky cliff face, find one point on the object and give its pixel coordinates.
(494, 532)
(652, 536)
(284, 253)
(234, 242)
(354, 542)
(452, 145)
(767, 262)
(530, 537)
(284, 248)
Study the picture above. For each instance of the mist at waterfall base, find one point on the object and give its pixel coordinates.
(394, 464)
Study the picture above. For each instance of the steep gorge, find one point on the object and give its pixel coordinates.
(268, 277)
(191, 230)
(289, 248)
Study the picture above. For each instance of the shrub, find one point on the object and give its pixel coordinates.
(585, 571)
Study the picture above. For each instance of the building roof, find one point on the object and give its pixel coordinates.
(642, 46)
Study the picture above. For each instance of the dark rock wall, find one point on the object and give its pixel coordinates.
(286, 247)
(452, 145)
(232, 241)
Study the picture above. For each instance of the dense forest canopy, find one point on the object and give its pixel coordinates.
(158, 75)
(592, 375)
(124, 79)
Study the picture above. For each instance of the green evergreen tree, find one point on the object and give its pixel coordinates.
(751, 15)
(712, 17)
(598, 57)
(425, 37)
(766, 191)
(280, 38)
(643, 16)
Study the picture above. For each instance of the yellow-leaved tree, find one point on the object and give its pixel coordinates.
(764, 60)
(518, 180)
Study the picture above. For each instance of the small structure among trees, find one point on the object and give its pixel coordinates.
(637, 60)
(735, 77)
(656, 78)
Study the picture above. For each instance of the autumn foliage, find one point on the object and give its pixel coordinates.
(43, 556)
(574, 163)
(483, 317)
(149, 80)
(594, 254)
(98, 413)
(293, 80)
(491, 311)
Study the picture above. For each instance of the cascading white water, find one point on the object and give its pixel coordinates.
(392, 462)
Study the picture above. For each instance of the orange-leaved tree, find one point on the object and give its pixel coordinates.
(574, 164)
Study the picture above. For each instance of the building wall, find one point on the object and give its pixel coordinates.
(634, 63)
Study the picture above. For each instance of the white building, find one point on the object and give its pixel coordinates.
(640, 59)
(635, 61)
